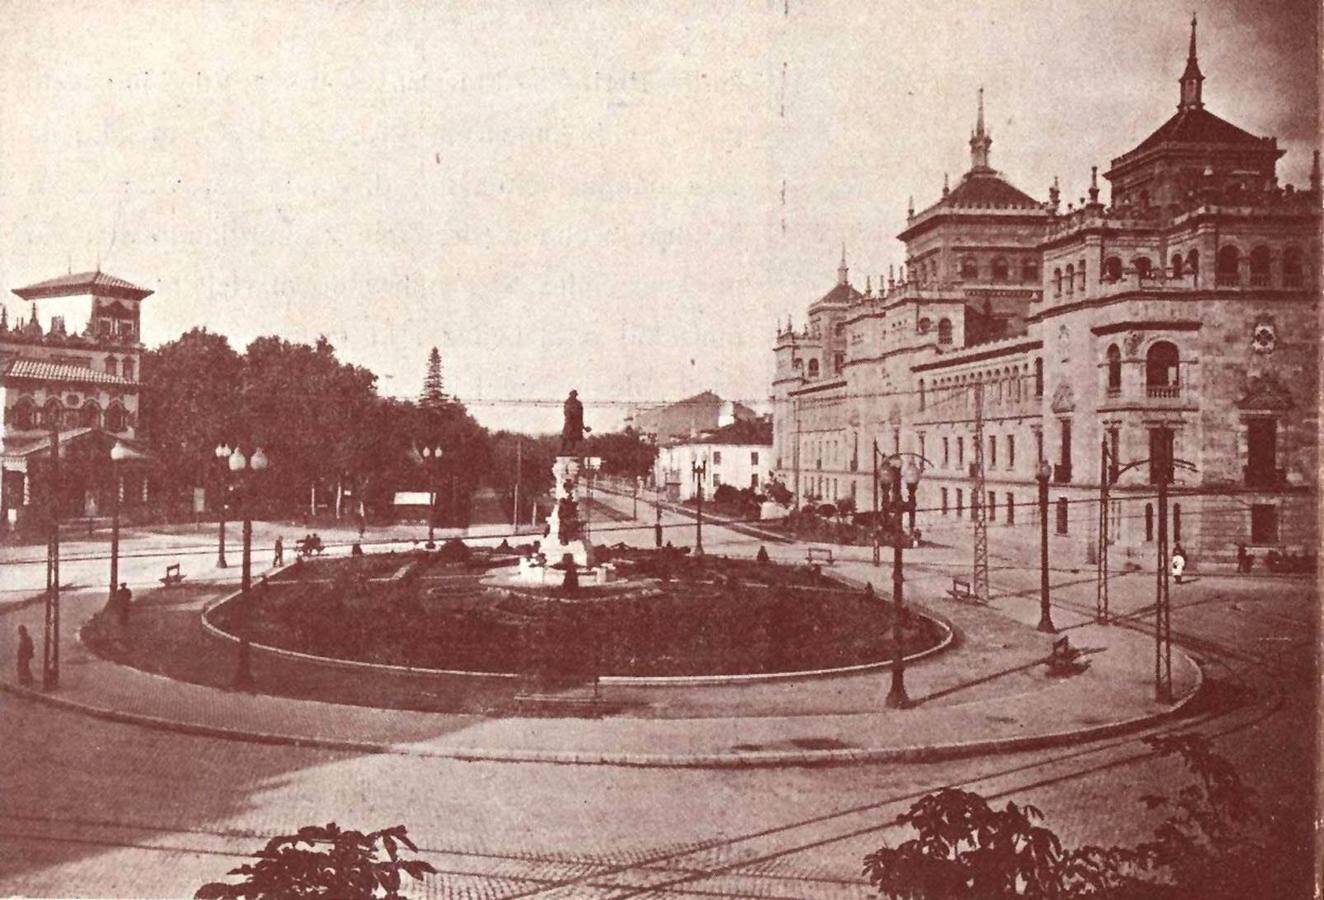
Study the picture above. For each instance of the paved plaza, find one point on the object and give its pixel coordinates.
(702, 803)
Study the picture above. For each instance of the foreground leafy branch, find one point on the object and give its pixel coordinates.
(1213, 844)
(325, 862)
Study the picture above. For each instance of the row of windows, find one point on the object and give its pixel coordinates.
(24, 416)
(1162, 368)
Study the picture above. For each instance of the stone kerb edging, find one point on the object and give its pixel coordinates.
(948, 638)
(731, 760)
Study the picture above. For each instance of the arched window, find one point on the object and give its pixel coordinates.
(1057, 282)
(813, 368)
(1259, 266)
(112, 366)
(24, 414)
(1114, 369)
(1293, 270)
(1149, 521)
(116, 418)
(1071, 278)
(90, 415)
(924, 325)
(52, 413)
(1193, 263)
(1038, 377)
(944, 331)
(1162, 369)
(1143, 266)
(1177, 266)
(126, 369)
(1112, 269)
(969, 269)
(1001, 269)
(1029, 271)
(1228, 265)
(1080, 273)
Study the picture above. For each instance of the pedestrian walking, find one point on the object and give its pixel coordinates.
(1178, 563)
(278, 556)
(25, 654)
(363, 525)
(123, 599)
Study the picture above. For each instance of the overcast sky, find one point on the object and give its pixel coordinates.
(568, 194)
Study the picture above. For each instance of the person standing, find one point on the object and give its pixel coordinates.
(123, 599)
(1178, 563)
(25, 653)
(278, 556)
(573, 428)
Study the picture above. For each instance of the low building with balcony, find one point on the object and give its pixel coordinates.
(68, 378)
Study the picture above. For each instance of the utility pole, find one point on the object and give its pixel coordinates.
(50, 672)
(1162, 600)
(979, 502)
(877, 526)
(1101, 568)
(795, 453)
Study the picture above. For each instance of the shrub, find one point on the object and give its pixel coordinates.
(324, 862)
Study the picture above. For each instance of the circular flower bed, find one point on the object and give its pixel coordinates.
(670, 615)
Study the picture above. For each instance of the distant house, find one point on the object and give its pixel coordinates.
(737, 453)
(691, 416)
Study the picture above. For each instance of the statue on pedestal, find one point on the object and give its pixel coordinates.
(573, 429)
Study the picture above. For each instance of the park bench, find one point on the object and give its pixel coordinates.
(309, 546)
(1066, 659)
(962, 591)
(173, 576)
(817, 554)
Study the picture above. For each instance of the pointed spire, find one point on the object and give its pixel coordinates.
(946, 189)
(1191, 78)
(980, 140)
(891, 276)
(868, 285)
(1054, 196)
(910, 207)
(842, 270)
(1094, 184)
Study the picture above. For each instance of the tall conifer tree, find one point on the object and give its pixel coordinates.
(434, 388)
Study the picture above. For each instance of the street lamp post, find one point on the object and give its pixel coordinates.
(897, 504)
(700, 471)
(244, 467)
(1045, 611)
(431, 463)
(118, 454)
(657, 524)
(223, 458)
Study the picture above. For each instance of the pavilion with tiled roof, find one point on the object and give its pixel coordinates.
(96, 283)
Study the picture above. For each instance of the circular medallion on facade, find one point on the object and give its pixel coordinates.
(1263, 337)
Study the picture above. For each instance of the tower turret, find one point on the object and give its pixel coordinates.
(1191, 78)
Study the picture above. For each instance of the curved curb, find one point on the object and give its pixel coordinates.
(661, 681)
(727, 760)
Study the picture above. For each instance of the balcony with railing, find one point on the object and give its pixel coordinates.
(1163, 391)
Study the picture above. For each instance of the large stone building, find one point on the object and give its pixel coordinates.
(73, 376)
(1188, 306)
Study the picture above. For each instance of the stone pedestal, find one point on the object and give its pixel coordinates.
(565, 526)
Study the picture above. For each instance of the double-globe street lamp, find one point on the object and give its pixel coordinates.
(1045, 612)
(243, 469)
(118, 454)
(895, 500)
(223, 452)
(432, 465)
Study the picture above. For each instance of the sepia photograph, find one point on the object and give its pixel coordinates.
(610, 449)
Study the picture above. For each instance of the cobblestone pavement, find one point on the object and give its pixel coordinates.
(92, 808)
